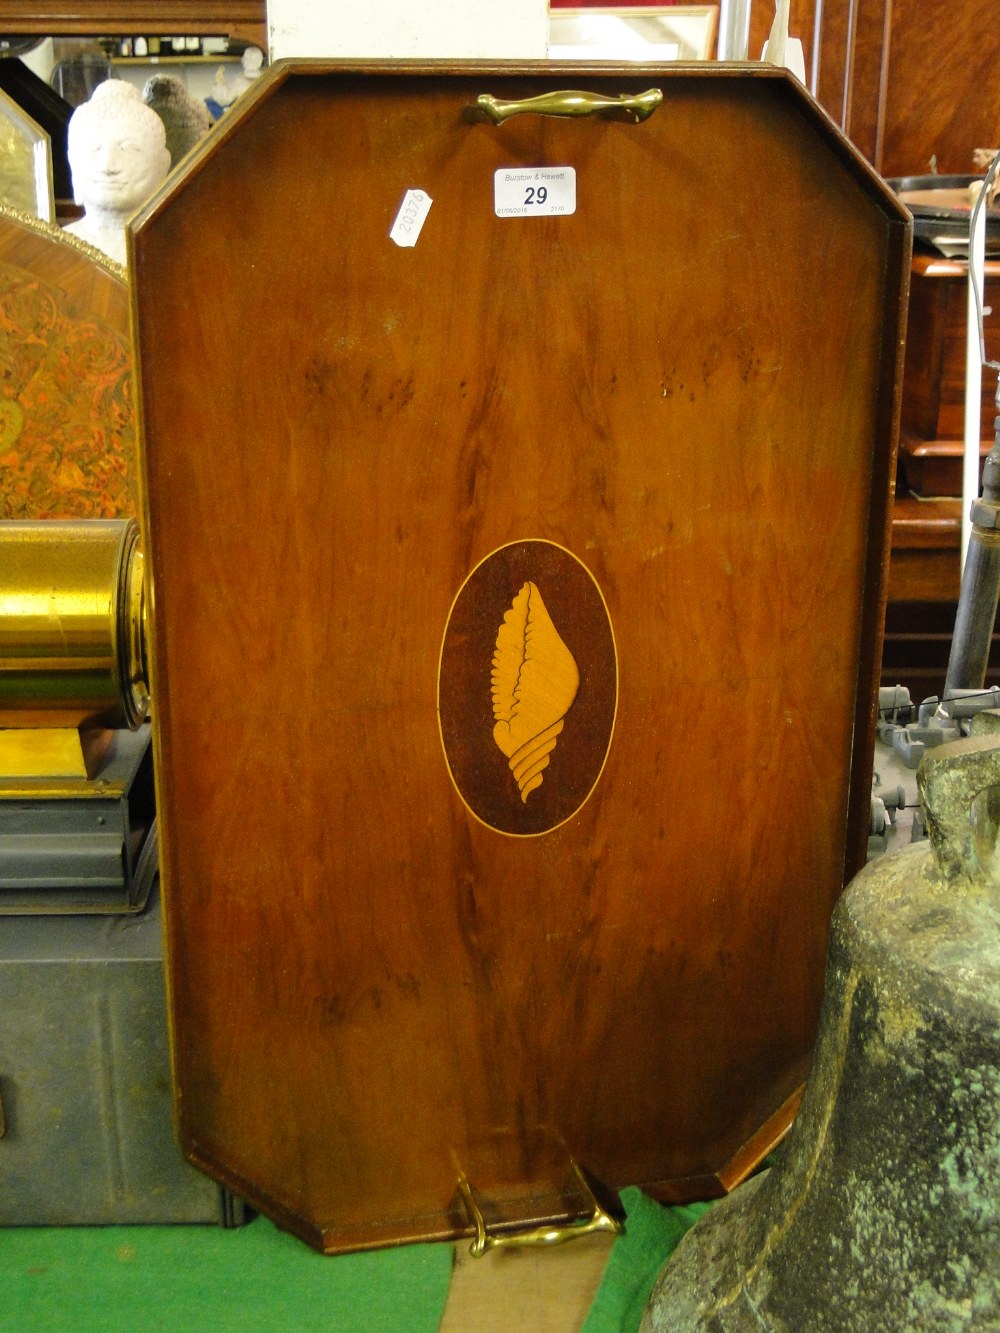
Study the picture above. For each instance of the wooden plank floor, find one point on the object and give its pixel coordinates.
(534, 1291)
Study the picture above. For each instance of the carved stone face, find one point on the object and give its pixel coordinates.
(117, 150)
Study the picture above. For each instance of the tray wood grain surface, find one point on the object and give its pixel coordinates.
(670, 416)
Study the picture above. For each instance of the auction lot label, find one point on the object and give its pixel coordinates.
(524, 192)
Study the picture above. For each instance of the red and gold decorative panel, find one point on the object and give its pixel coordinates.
(67, 421)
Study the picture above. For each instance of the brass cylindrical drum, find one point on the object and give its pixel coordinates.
(71, 624)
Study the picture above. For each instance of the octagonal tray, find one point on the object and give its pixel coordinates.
(517, 586)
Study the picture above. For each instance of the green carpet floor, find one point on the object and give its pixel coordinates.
(193, 1279)
(651, 1235)
(257, 1279)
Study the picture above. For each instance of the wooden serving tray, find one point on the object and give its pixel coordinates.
(611, 485)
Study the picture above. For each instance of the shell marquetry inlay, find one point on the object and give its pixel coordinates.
(528, 659)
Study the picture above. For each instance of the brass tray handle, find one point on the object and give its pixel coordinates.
(542, 1236)
(631, 108)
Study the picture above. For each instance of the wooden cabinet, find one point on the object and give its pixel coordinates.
(907, 80)
(244, 19)
(925, 563)
(933, 412)
(928, 69)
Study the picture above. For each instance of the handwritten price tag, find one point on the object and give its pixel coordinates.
(411, 217)
(524, 192)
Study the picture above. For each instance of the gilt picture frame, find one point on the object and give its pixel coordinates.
(25, 162)
(639, 32)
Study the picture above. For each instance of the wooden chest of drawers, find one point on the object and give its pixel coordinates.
(933, 414)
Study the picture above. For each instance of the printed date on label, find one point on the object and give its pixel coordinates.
(520, 192)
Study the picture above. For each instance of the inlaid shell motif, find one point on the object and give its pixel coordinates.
(535, 680)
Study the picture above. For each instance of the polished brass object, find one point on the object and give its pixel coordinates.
(540, 1237)
(71, 624)
(53, 763)
(132, 625)
(49, 788)
(630, 108)
(30, 752)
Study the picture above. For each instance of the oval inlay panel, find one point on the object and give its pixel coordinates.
(527, 687)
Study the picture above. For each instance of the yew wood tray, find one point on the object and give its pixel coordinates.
(517, 582)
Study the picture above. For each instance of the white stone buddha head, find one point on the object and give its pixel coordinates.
(118, 156)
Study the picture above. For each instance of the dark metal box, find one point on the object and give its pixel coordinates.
(85, 1078)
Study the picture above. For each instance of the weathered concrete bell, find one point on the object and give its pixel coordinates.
(883, 1211)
